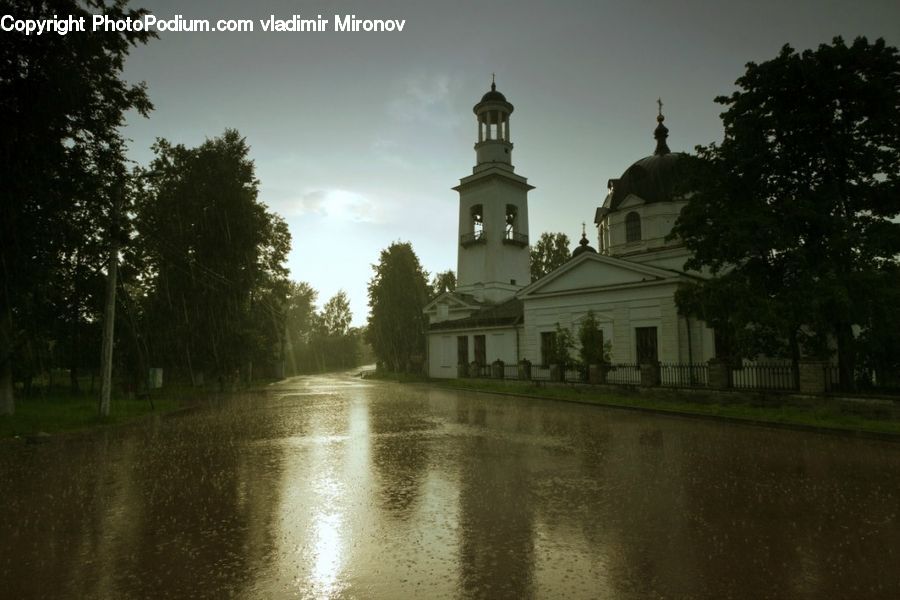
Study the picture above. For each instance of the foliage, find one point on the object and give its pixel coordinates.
(320, 341)
(444, 281)
(398, 292)
(210, 260)
(336, 315)
(794, 210)
(561, 347)
(63, 102)
(593, 350)
(550, 252)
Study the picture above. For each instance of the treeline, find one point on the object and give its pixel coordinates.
(321, 340)
(182, 251)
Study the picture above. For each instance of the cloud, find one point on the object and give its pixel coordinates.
(336, 204)
(425, 98)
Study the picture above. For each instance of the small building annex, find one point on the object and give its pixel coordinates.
(629, 284)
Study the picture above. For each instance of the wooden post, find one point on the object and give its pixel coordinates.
(109, 314)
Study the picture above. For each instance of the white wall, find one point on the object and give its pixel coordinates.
(619, 312)
(500, 343)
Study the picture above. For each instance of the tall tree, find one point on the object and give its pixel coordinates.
(63, 102)
(793, 211)
(397, 294)
(336, 315)
(214, 258)
(445, 281)
(550, 252)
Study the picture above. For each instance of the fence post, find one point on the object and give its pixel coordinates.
(812, 376)
(719, 374)
(650, 374)
(597, 373)
(524, 370)
(556, 373)
(474, 369)
(497, 369)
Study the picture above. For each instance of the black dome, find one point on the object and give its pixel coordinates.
(583, 246)
(493, 96)
(652, 178)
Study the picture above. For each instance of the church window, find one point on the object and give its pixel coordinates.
(477, 213)
(480, 350)
(548, 341)
(632, 227)
(512, 213)
(462, 349)
(645, 340)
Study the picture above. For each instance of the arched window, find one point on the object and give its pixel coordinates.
(511, 214)
(632, 227)
(477, 221)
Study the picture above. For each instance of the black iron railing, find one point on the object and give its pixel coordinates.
(683, 374)
(765, 376)
(624, 373)
(468, 239)
(516, 239)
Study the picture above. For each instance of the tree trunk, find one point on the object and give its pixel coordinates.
(7, 401)
(109, 322)
(846, 356)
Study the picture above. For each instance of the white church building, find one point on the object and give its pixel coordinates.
(497, 312)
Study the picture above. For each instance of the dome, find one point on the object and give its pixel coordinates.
(652, 178)
(583, 246)
(493, 95)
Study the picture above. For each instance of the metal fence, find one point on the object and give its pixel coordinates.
(624, 373)
(510, 371)
(777, 376)
(684, 375)
(540, 373)
(575, 374)
(765, 376)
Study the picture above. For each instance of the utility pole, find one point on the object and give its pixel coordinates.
(109, 315)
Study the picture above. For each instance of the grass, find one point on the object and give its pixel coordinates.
(819, 412)
(57, 411)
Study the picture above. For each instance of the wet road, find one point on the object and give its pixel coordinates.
(330, 487)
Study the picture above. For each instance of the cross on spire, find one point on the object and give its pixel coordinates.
(493, 82)
(660, 103)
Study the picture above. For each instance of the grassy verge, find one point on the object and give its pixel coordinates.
(820, 412)
(57, 411)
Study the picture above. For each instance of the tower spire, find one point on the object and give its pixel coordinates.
(661, 132)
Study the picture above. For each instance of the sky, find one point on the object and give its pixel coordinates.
(358, 137)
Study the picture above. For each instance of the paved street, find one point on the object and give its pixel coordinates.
(332, 487)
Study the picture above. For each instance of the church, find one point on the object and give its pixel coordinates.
(628, 282)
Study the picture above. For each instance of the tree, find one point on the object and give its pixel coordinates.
(792, 212)
(593, 350)
(550, 252)
(63, 104)
(213, 259)
(445, 281)
(336, 315)
(397, 294)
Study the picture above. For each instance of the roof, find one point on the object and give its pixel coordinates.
(508, 313)
(652, 178)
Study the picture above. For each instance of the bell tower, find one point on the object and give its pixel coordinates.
(493, 255)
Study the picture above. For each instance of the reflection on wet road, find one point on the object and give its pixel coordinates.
(332, 487)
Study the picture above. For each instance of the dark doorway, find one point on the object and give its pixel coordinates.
(480, 352)
(548, 341)
(462, 350)
(645, 338)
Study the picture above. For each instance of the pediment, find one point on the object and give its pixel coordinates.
(594, 271)
(453, 300)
